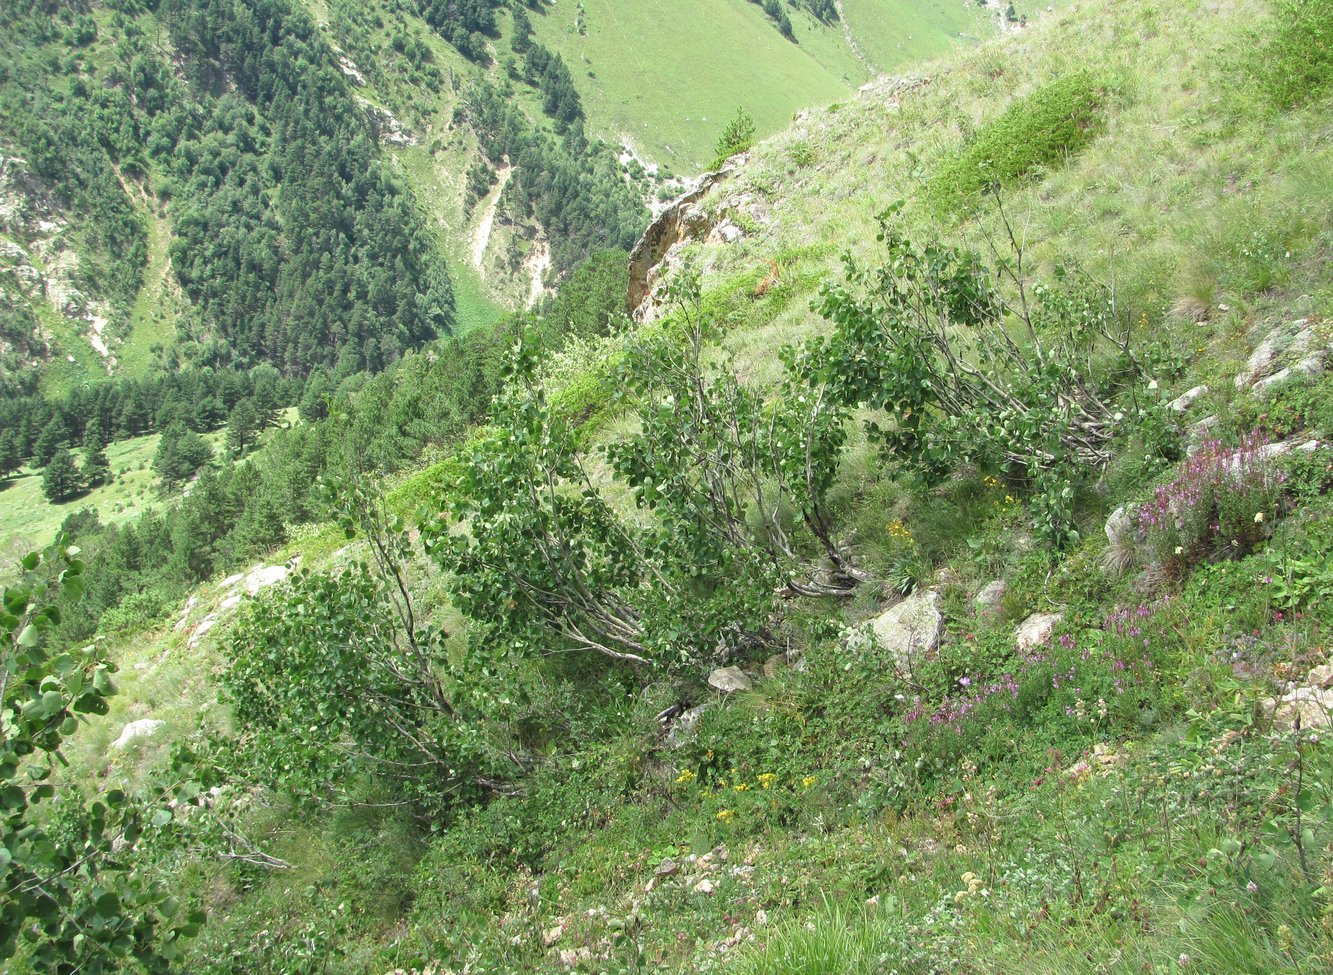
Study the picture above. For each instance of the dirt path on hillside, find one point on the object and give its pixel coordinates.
(159, 235)
(481, 238)
(851, 40)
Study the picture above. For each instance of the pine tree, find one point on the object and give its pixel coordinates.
(738, 136)
(53, 436)
(180, 453)
(92, 438)
(96, 467)
(61, 480)
(10, 461)
(522, 31)
(242, 427)
(315, 398)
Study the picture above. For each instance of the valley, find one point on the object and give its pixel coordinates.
(493, 549)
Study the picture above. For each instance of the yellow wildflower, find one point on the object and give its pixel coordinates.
(686, 775)
(808, 781)
(726, 814)
(766, 779)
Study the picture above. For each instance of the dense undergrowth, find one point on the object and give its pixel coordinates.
(1117, 794)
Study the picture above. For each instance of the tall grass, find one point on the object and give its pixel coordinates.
(833, 941)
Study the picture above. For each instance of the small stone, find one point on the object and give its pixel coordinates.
(137, 729)
(1321, 676)
(729, 680)
(667, 868)
(551, 936)
(1202, 428)
(988, 599)
(206, 624)
(705, 886)
(683, 729)
(1186, 399)
(1036, 629)
(911, 629)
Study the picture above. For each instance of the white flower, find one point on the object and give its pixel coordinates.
(1259, 518)
(1180, 549)
(1153, 384)
(1118, 417)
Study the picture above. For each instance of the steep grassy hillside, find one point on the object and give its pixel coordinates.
(1065, 712)
(668, 76)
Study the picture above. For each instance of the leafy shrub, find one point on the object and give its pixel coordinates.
(76, 897)
(1037, 132)
(139, 610)
(971, 374)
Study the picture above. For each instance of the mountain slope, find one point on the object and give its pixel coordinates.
(97, 78)
(1094, 770)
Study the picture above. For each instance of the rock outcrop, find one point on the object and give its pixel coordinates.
(1287, 351)
(37, 263)
(682, 221)
(1309, 703)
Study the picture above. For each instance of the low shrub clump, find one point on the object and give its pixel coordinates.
(1037, 132)
(1220, 505)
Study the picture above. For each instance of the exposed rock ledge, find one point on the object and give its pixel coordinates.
(682, 220)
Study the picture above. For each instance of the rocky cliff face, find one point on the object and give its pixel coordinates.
(683, 221)
(37, 265)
